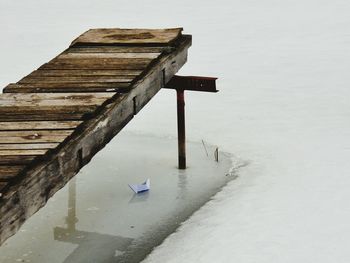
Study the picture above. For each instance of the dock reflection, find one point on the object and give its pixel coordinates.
(91, 246)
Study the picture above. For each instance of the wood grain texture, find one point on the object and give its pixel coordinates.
(47, 114)
(53, 99)
(38, 125)
(119, 49)
(29, 137)
(87, 72)
(3, 185)
(63, 81)
(119, 55)
(75, 87)
(28, 146)
(8, 172)
(49, 106)
(98, 63)
(128, 36)
(16, 159)
(21, 152)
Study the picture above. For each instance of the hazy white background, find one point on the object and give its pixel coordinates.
(283, 69)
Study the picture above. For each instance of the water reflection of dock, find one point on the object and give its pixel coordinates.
(91, 246)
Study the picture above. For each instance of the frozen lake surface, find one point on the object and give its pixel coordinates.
(283, 69)
(98, 218)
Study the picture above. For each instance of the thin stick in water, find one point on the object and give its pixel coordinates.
(205, 148)
(216, 154)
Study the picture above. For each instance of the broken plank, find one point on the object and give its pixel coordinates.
(39, 125)
(8, 172)
(102, 36)
(42, 136)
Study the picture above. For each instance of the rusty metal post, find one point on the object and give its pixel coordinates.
(180, 84)
(181, 135)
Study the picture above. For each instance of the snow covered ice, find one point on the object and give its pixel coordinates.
(283, 107)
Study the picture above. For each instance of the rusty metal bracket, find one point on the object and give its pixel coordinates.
(180, 84)
(194, 83)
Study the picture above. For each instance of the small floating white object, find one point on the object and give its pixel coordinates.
(139, 188)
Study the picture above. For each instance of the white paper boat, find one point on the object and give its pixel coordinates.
(139, 188)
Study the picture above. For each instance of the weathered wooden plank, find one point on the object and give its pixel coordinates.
(85, 72)
(28, 146)
(8, 172)
(119, 49)
(128, 36)
(16, 159)
(103, 63)
(30, 137)
(67, 113)
(39, 125)
(63, 81)
(3, 186)
(98, 60)
(49, 106)
(18, 152)
(91, 55)
(53, 99)
(67, 87)
(36, 133)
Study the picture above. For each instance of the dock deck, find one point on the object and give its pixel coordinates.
(53, 121)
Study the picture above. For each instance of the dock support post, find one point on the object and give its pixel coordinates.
(181, 128)
(180, 84)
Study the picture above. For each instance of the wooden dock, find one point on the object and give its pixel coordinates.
(53, 121)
